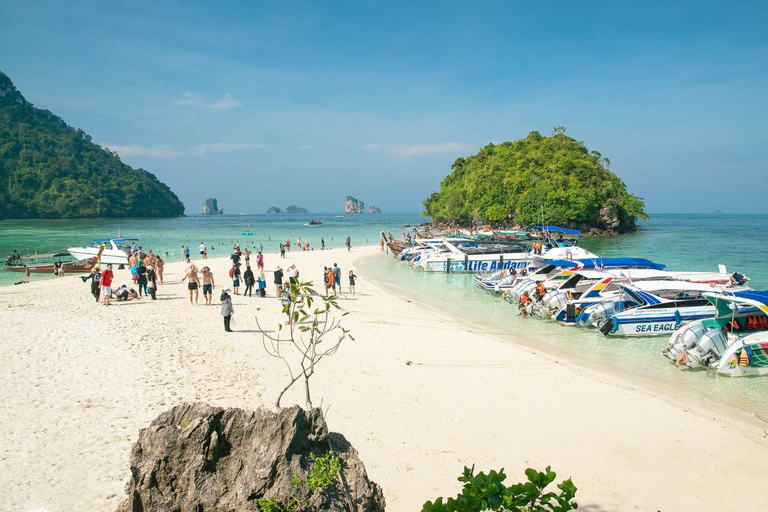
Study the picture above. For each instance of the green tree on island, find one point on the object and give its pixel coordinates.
(51, 170)
(512, 182)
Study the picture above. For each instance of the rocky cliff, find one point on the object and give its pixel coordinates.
(201, 458)
(211, 206)
(273, 209)
(352, 205)
(295, 209)
(374, 209)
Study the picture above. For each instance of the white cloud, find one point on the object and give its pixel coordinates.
(414, 150)
(161, 151)
(369, 147)
(225, 103)
(223, 147)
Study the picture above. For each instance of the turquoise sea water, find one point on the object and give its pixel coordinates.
(682, 242)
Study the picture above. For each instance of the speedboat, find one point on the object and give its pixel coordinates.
(105, 250)
(47, 263)
(733, 341)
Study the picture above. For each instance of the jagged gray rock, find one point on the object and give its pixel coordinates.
(199, 458)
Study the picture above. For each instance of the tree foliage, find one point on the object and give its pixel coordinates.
(51, 170)
(516, 180)
(488, 492)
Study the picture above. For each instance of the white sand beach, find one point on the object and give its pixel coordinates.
(78, 380)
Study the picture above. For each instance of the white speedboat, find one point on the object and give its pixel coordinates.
(733, 341)
(106, 250)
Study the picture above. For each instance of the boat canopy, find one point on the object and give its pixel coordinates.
(117, 240)
(604, 263)
(559, 229)
(761, 297)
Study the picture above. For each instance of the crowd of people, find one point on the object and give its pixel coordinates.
(146, 270)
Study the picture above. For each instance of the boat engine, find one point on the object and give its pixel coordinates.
(596, 314)
(552, 303)
(710, 346)
(517, 291)
(684, 339)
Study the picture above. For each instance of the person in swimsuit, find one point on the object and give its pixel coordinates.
(352, 278)
(193, 282)
(159, 265)
(208, 285)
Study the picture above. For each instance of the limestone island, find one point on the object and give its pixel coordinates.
(54, 171)
(352, 205)
(374, 209)
(211, 207)
(287, 209)
(513, 185)
(273, 209)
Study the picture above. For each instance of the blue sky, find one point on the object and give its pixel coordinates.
(278, 103)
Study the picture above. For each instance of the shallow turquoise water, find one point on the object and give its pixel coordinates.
(682, 242)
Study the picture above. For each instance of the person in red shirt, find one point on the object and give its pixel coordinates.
(106, 284)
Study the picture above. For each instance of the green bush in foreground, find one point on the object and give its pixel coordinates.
(487, 492)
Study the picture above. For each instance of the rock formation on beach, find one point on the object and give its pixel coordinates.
(374, 209)
(211, 207)
(352, 205)
(197, 457)
(51, 170)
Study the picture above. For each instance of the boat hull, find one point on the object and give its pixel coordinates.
(656, 323)
(108, 256)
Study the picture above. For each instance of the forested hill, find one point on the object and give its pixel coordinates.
(516, 183)
(51, 170)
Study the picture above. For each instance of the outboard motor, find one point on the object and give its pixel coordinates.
(520, 287)
(711, 345)
(596, 314)
(684, 339)
(552, 303)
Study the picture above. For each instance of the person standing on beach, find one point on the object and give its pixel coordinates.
(278, 279)
(182, 253)
(348, 243)
(234, 273)
(282, 250)
(337, 279)
(381, 244)
(106, 284)
(186, 252)
(288, 245)
(260, 261)
(249, 280)
(293, 274)
(262, 282)
(193, 282)
(159, 265)
(141, 271)
(202, 250)
(247, 256)
(261, 247)
(152, 282)
(352, 278)
(95, 275)
(322, 244)
(226, 309)
(208, 286)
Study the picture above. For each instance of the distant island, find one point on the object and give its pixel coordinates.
(211, 207)
(52, 170)
(287, 209)
(352, 205)
(554, 180)
(374, 209)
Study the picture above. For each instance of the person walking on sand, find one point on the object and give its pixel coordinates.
(182, 253)
(141, 271)
(282, 250)
(288, 245)
(352, 278)
(262, 284)
(226, 309)
(202, 250)
(159, 266)
(348, 243)
(234, 273)
(337, 279)
(260, 260)
(278, 280)
(249, 281)
(95, 276)
(152, 282)
(193, 282)
(106, 284)
(208, 286)
(247, 256)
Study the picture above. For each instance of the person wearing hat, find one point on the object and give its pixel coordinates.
(236, 278)
(226, 309)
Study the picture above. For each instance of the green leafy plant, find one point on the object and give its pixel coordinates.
(269, 505)
(488, 492)
(311, 335)
(325, 470)
(323, 474)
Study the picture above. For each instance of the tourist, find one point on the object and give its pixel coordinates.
(293, 274)
(133, 263)
(285, 301)
(159, 265)
(282, 250)
(540, 289)
(234, 273)
(247, 256)
(348, 243)
(322, 244)
(288, 245)
(106, 284)
(260, 260)
(381, 245)
(336, 279)
(525, 300)
(151, 282)
(226, 309)
(278, 279)
(208, 285)
(737, 280)
(261, 247)
(95, 275)
(182, 253)
(141, 271)
(249, 280)
(202, 250)
(235, 256)
(352, 278)
(326, 280)
(193, 282)
(262, 283)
